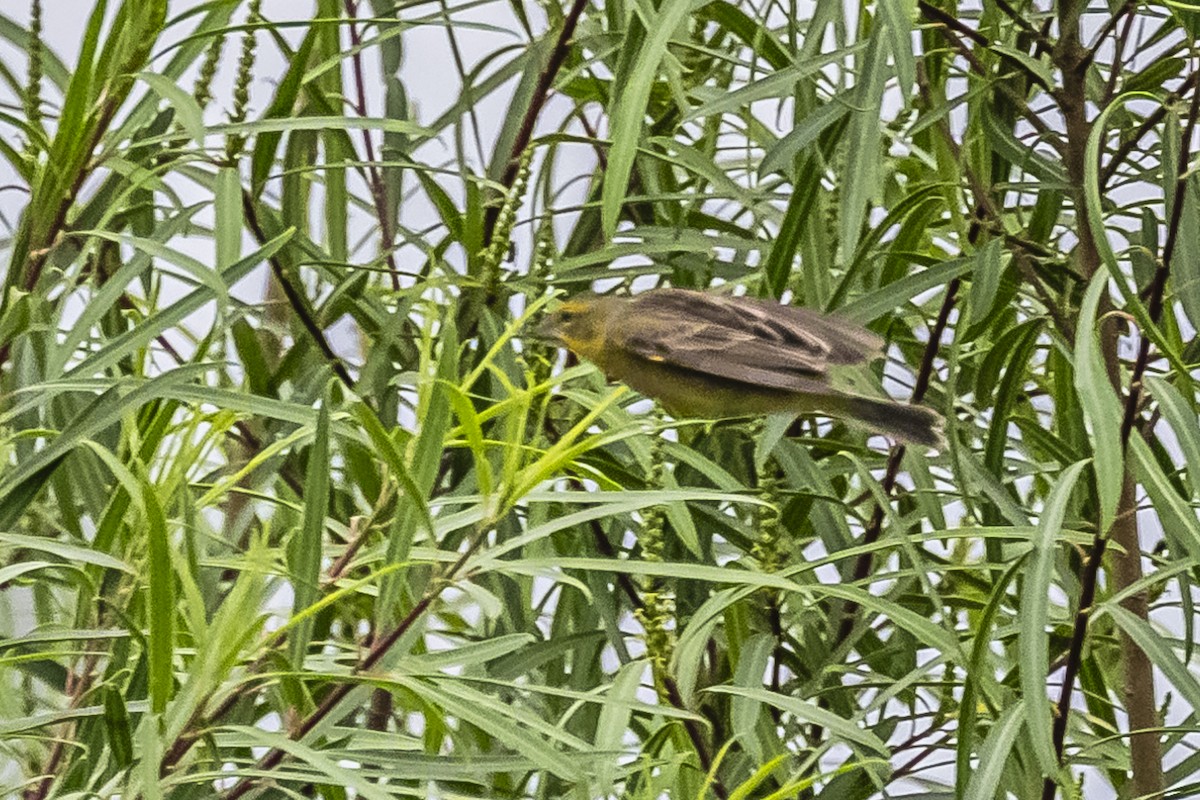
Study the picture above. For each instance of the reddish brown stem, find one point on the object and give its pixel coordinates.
(541, 94)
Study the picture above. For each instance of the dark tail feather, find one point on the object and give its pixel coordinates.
(908, 423)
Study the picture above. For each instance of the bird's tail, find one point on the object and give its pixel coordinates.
(908, 423)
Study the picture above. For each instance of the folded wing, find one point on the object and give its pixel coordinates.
(742, 339)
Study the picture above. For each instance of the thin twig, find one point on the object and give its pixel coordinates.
(952, 27)
(1114, 69)
(375, 654)
(1042, 43)
(694, 731)
(374, 180)
(1109, 26)
(295, 298)
(1148, 124)
(862, 566)
(541, 94)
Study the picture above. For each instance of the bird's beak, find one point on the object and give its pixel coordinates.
(548, 330)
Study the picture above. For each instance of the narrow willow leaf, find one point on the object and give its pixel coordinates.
(1185, 262)
(682, 570)
(150, 748)
(629, 107)
(121, 346)
(325, 767)
(227, 227)
(517, 729)
(747, 712)
(886, 299)
(780, 157)
(1033, 643)
(160, 604)
(469, 655)
(980, 685)
(1159, 647)
(113, 289)
(293, 124)
(860, 181)
(469, 420)
(995, 754)
(808, 712)
(1100, 406)
(187, 111)
(203, 273)
(985, 280)
(1181, 415)
(760, 775)
(1050, 173)
(105, 410)
(778, 266)
(533, 66)
(775, 85)
(118, 728)
(417, 470)
(70, 553)
(1178, 517)
(750, 29)
(897, 17)
(386, 449)
(305, 548)
(614, 722)
(920, 626)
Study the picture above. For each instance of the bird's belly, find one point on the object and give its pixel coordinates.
(687, 393)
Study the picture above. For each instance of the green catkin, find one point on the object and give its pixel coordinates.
(657, 614)
(241, 88)
(493, 256)
(540, 359)
(33, 88)
(202, 89)
(768, 547)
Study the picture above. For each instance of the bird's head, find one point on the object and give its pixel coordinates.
(579, 323)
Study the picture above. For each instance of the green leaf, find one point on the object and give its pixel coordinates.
(860, 180)
(887, 299)
(629, 107)
(227, 228)
(1180, 414)
(985, 280)
(897, 17)
(121, 346)
(804, 711)
(996, 754)
(1035, 600)
(187, 111)
(160, 603)
(1177, 517)
(1100, 406)
(306, 547)
(1158, 647)
(69, 553)
(614, 721)
(780, 157)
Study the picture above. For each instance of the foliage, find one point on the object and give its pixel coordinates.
(362, 535)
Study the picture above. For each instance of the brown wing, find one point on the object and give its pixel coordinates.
(756, 342)
(838, 341)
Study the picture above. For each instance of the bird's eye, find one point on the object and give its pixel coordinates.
(565, 314)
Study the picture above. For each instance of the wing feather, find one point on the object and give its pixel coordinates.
(741, 339)
(828, 337)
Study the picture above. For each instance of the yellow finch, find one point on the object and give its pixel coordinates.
(711, 356)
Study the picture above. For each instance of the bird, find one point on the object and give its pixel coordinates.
(714, 356)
